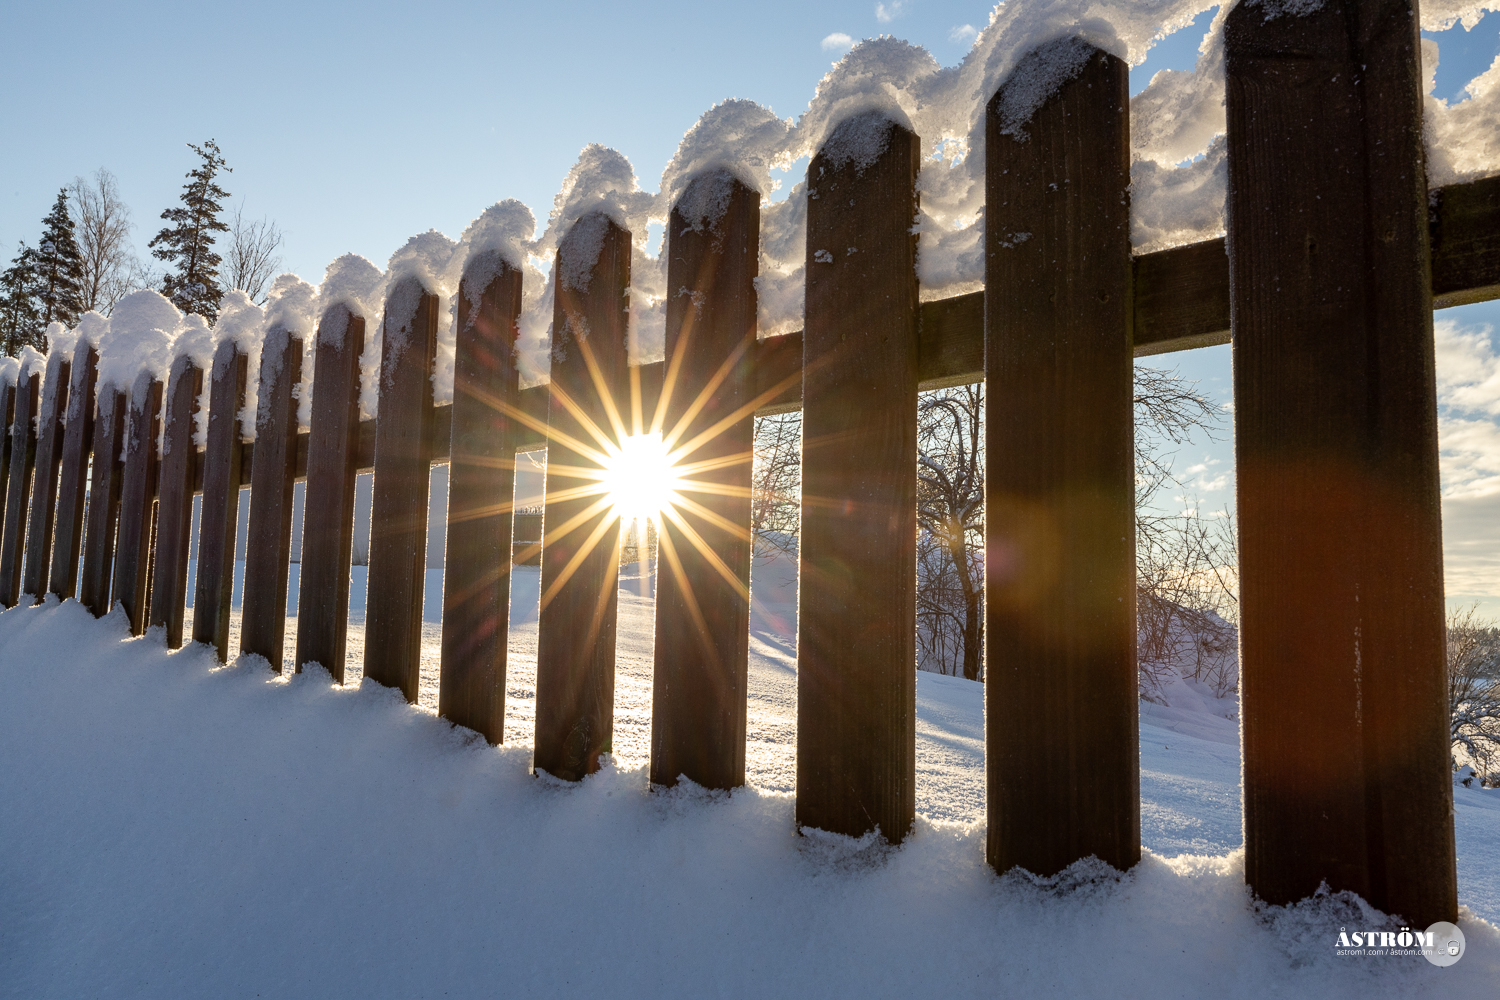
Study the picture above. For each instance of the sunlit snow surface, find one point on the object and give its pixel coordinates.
(173, 829)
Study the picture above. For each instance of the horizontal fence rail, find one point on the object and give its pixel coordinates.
(1329, 302)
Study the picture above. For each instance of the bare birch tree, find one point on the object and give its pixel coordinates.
(1474, 693)
(111, 269)
(776, 482)
(251, 260)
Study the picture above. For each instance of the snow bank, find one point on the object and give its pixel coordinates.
(179, 829)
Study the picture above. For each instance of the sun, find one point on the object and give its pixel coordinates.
(639, 477)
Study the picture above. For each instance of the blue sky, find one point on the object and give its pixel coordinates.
(355, 127)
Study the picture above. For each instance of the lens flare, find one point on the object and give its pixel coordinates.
(639, 477)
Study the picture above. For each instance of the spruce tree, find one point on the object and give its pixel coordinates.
(58, 266)
(20, 320)
(188, 243)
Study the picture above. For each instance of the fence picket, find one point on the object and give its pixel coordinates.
(273, 476)
(18, 488)
(481, 485)
(137, 503)
(1344, 695)
(398, 511)
(104, 503)
(856, 615)
(174, 509)
(218, 517)
(575, 671)
(703, 566)
(78, 442)
(8, 405)
(1060, 673)
(49, 447)
(328, 503)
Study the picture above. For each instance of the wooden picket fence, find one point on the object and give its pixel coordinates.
(1336, 258)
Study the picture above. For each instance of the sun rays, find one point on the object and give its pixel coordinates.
(636, 468)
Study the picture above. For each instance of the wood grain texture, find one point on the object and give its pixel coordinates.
(219, 514)
(174, 506)
(1464, 221)
(104, 503)
(699, 688)
(1061, 747)
(328, 504)
(1343, 693)
(856, 599)
(268, 533)
(49, 448)
(398, 514)
(78, 444)
(18, 487)
(481, 489)
(137, 503)
(575, 684)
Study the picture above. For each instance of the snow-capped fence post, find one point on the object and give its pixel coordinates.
(403, 467)
(49, 445)
(8, 406)
(328, 503)
(137, 504)
(575, 671)
(1061, 746)
(104, 503)
(481, 488)
(703, 577)
(18, 487)
(78, 438)
(273, 476)
(1342, 624)
(218, 517)
(174, 506)
(856, 617)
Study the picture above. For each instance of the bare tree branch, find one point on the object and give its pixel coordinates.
(251, 260)
(111, 269)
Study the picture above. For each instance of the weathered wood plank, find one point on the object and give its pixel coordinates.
(1061, 747)
(104, 502)
(218, 518)
(49, 447)
(1181, 298)
(174, 510)
(137, 508)
(328, 505)
(481, 487)
(1465, 231)
(78, 443)
(18, 486)
(398, 515)
(8, 405)
(703, 545)
(1343, 689)
(575, 684)
(268, 533)
(856, 598)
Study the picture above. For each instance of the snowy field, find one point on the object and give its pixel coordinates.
(177, 829)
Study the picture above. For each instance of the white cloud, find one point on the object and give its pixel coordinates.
(1468, 385)
(837, 40)
(886, 13)
(963, 33)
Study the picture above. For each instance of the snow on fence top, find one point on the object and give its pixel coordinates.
(1178, 174)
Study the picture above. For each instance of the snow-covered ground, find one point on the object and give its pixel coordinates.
(172, 828)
